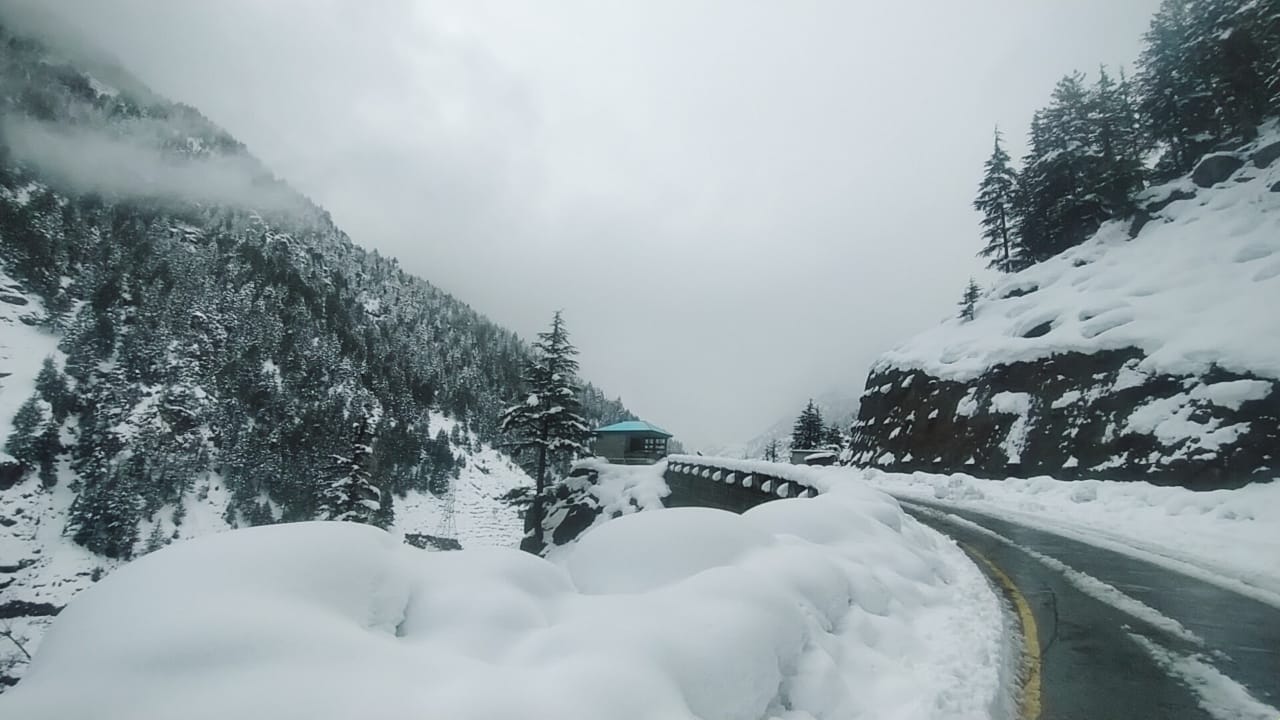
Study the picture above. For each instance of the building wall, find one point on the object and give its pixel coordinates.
(611, 445)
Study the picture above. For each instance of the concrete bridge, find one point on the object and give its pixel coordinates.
(731, 484)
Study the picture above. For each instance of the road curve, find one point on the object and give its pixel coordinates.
(1122, 638)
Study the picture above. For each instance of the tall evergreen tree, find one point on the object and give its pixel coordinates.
(1118, 144)
(349, 494)
(807, 433)
(995, 202)
(547, 424)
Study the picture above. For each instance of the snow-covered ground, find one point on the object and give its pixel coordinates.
(1228, 537)
(839, 606)
(1163, 292)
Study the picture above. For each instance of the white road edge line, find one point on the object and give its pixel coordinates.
(1085, 583)
(1132, 547)
(1217, 694)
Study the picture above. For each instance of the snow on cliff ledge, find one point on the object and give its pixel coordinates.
(1199, 285)
(838, 606)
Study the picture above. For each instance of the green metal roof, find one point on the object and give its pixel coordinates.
(634, 426)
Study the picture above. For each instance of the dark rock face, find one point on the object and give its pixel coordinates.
(569, 511)
(1073, 416)
(1216, 168)
(424, 541)
(24, 608)
(11, 471)
(1267, 154)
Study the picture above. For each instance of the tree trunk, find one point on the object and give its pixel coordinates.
(539, 489)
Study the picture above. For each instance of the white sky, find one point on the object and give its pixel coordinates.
(737, 204)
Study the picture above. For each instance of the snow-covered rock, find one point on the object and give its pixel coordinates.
(1155, 356)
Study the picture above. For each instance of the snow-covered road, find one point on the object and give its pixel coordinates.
(1120, 637)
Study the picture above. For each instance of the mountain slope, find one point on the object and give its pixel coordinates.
(1150, 351)
(188, 345)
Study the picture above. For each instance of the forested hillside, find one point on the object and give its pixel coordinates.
(177, 322)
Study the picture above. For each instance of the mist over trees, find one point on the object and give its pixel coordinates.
(215, 321)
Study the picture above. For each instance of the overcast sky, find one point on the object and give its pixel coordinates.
(737, 204)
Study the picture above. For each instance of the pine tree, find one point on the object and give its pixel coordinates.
(349, 494)
(971, 294)
(52, 386)
(1118, 145)
(771, 451)
(995, 202)
(1057, 199)
(808, 430)
(23, 442)
(1207, 74)
(832, 438)
(547, 424)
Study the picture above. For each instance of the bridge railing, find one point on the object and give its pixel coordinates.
(764, 479)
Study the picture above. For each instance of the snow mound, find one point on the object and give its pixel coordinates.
(798, 609)
(1194, 288)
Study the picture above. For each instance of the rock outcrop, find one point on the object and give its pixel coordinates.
(1071, 416)
(1149, 352)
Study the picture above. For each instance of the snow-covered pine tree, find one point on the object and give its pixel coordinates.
(349, 494)
(771, 451)
(971, 294)
(808, 430)
(1209, 73)
(547, 425)
(1118, 143)
(832, 438)
(1057, 199)
(995, 202)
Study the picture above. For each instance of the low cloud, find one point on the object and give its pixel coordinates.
(127, 160)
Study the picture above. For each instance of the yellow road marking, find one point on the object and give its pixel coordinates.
(1030, 706)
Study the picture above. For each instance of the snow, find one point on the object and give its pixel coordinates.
(472, 512)
(1217, 694)
(23, 349)
(1019, 404)
(837, 606)
(1160, 292)
(1172, 420)
(57, 570)
(1227, 537)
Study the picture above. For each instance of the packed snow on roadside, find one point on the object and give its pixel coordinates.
(838, 606)
(1230, 537)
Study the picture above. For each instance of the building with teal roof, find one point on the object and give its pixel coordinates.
(632, 442)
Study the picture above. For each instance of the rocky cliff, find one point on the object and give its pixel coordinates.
(1151, 351)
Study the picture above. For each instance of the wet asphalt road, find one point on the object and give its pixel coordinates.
(1092, 669)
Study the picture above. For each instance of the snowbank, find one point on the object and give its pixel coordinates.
(1230, 537)
(803, 475)
(1162, 292)
(837, 606)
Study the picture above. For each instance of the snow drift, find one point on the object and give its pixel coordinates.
(838, 606)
